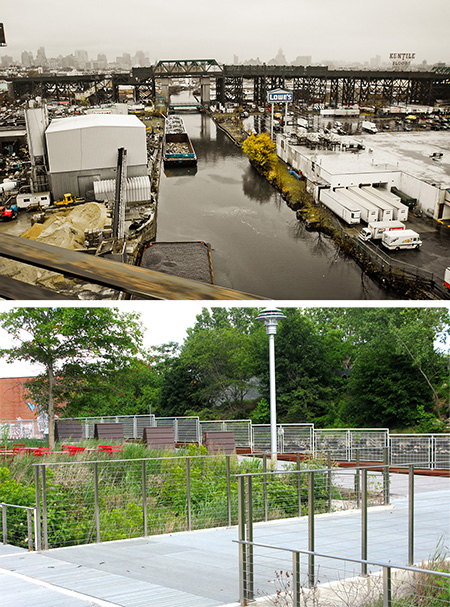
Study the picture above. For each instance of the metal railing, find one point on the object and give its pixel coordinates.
(313, 492)
(95, 501)
(276, 575)
(17, 523)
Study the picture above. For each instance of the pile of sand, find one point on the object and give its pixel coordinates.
(63, 229)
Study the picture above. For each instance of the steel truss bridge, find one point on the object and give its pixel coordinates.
(241, 83)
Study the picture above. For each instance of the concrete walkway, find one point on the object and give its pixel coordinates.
(200, 569)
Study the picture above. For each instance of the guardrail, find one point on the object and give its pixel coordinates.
(32, 534)
(281, 581)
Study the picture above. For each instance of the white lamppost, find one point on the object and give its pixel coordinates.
(270, 318)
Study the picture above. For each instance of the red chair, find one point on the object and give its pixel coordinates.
(72, 449)
(109, 449)
(41, 451)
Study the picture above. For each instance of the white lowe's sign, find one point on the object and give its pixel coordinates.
(278, 95)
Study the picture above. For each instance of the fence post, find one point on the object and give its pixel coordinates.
(96, 504)
(29, 529)
(188, 493)
(266, 504)
(311, 527)
(37, 515)
(44, 508)
(144, 497)
(241, 536)
(364, 521)
(411, 516)
(229, 489)
(296, 579)
(387, 587)
(250, 537)
(4, 524)
(299, 485)
(358, 479)
(386, 488)
(330, 487)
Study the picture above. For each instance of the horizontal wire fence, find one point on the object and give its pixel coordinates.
(14, 519)
(97, 501)
(280, 576)
(369, 521)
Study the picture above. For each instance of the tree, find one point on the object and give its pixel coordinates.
(131, 390)
(261, 151)
(70, 344)
(413, 333)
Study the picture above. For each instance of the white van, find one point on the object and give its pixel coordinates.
(401, 239)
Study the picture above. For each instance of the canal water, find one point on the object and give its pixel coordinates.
(258, 245)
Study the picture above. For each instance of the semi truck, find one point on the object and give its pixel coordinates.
(400, 210)
(369, 212)
(347, 211)
(375, 230)
(403, 239)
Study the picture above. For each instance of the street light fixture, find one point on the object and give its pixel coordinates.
(270, 318)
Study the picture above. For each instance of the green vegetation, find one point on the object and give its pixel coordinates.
(70, 494)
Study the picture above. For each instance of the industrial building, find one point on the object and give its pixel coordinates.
(83, 149)
(415, 164)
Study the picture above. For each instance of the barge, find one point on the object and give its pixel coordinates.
(177, 148)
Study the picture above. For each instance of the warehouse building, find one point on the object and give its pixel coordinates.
(83, 149)
(415, 164)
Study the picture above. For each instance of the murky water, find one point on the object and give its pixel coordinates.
(258, 245)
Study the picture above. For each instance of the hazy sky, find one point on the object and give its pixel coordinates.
(350, 30)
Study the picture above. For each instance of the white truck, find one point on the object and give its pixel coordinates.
(375, 229)
(346, 211)
(403, 239)
(369, 127)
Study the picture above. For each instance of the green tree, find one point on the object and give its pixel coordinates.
(261, 151)
(413, 333)
(131, 390)
(70, 344)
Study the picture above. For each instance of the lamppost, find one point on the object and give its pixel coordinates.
(270, 318)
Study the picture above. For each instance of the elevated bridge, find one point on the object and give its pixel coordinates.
(238, 83)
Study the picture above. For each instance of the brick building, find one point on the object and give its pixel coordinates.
(15, 401)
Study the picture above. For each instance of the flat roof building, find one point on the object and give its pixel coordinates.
(83, 149)
(409, 162)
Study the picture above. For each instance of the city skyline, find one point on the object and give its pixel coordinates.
(347, 32)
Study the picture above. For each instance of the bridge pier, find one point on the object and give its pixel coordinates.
(205, 91)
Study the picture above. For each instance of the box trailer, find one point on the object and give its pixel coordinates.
(369, 127)
(35, 200)
(376, 229)
(401, 211)
(348, 212)
(386, 210)
(402, 239)
(369, 212)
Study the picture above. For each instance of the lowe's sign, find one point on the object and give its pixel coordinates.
(279, 95)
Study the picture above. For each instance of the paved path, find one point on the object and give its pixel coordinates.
(200, 569)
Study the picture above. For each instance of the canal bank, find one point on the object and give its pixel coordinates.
(399, 276)
(257, 243)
